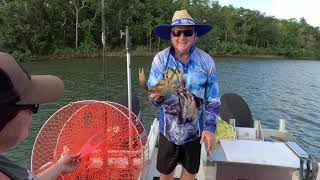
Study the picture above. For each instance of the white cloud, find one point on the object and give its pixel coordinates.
(284, 9)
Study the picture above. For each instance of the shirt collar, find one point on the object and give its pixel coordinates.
(172, 53)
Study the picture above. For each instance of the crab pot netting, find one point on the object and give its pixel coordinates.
(45, 143)
(122, 155)
(135, 121)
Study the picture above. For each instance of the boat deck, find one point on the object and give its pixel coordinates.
(238, 159)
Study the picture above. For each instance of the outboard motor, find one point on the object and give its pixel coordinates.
(233, 106)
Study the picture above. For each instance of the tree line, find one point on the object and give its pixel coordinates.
(52, 27)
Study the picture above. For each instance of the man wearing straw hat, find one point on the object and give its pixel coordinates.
(181, 138)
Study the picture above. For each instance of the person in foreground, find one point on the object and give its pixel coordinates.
(20, 96)
(183, 128)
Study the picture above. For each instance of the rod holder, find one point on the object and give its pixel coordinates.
(282, 125)
(232, 122)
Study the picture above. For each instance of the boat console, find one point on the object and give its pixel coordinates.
(250, 157)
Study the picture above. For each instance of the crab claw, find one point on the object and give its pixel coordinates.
(142, 80)
(180, 78)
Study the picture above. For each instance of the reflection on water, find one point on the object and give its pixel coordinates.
(274, 89)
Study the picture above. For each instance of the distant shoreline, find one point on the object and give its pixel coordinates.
(119, 54)
(269, 57)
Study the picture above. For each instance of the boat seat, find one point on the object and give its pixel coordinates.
(233, 106)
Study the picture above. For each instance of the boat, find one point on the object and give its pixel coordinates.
(255, 153)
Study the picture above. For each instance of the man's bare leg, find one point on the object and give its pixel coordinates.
(185, 175)
(167, 176)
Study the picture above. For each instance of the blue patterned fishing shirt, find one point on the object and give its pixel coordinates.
(201, 80)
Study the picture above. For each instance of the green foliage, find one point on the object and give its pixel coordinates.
(141, 49)
(45, 27)
(63, 51)
(88, 44)
(22, 56)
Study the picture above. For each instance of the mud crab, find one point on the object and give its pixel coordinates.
(172, 84)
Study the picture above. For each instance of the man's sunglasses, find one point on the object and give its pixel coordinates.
(18, 107)
(32, 107)
(9, 112)
(177, 33)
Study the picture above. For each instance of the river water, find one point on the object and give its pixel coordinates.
(273, 88)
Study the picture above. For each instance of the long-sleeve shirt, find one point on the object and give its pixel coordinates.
(200, 79)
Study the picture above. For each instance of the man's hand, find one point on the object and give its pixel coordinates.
(210, 138)
(68, 163)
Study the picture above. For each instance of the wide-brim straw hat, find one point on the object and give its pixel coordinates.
(181, 18)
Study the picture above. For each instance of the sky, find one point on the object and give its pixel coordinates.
(282, 9)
